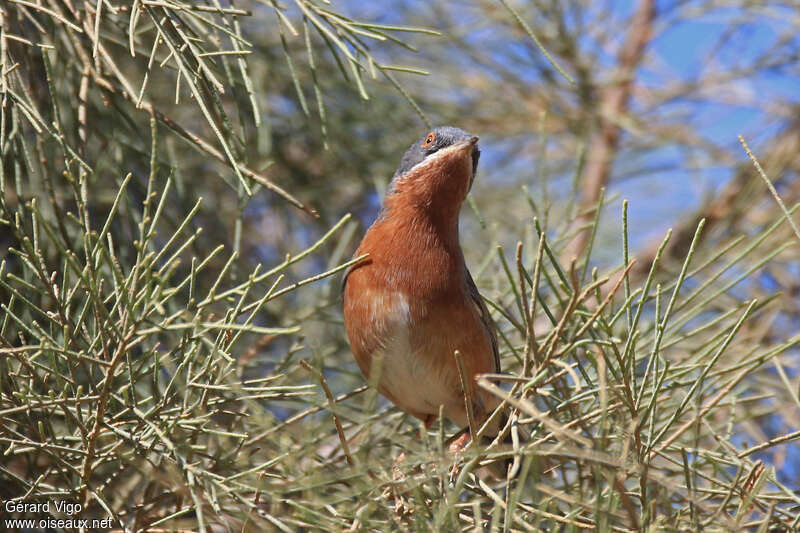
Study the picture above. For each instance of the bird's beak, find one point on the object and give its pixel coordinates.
(470, 147)
(476, 154)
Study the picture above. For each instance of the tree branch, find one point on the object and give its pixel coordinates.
(614, 102)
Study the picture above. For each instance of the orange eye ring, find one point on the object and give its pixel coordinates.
(429, 139)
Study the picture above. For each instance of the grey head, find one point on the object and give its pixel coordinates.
(432, 142)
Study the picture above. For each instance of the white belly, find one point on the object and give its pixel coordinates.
(408, 376)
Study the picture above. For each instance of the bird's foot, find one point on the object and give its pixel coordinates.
(459, 442)
(455, 445)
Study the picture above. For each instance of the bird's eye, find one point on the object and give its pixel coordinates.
(429, 139)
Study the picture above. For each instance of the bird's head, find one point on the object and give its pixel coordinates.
(439, 168)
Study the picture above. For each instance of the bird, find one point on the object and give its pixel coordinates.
(412, 302)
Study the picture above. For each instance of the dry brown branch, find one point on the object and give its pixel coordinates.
(734, 202)
(614, 103)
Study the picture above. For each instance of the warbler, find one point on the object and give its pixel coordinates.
(412, 303)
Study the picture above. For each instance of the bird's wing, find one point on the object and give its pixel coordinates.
(486, 318)
(350, 271)
(344, 280)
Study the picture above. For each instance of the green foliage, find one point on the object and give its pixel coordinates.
(155, 156)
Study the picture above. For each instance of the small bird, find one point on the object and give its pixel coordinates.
(412, 302)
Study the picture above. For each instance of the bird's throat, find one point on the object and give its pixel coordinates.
(418, 222)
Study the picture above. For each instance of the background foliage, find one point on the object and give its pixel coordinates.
(182, 184)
